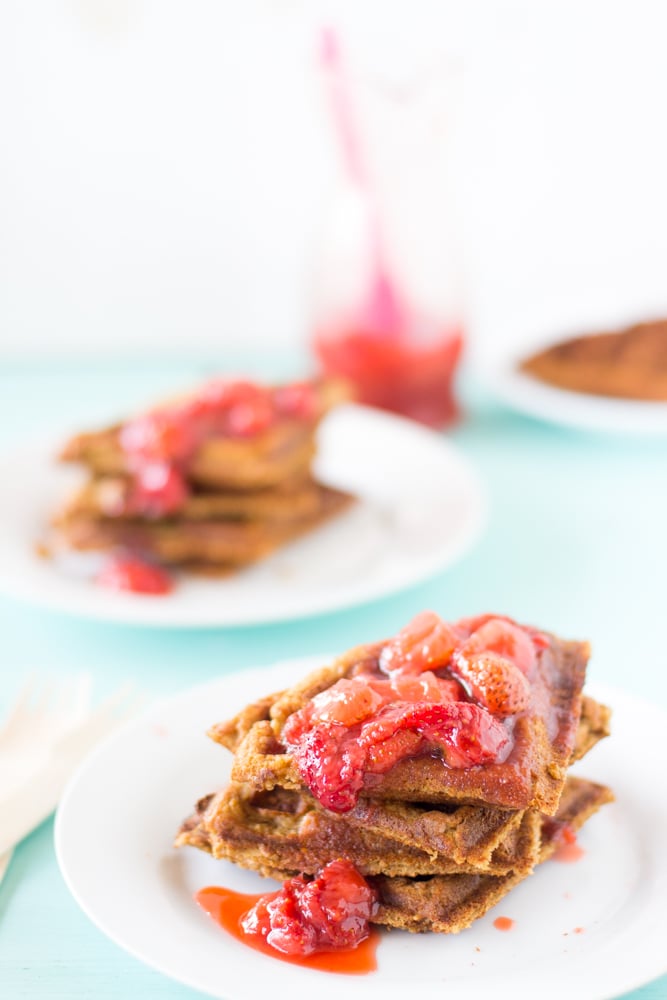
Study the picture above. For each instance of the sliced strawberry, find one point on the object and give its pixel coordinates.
(346, 702)
(416, 687)
(249, 416)
(329, 912)
(425, 643)
(501, 636)
(331, 764)
(160, 436)
(467, 734)
(382, 756)
(277, 918)
(338, 902)
(158, 490)
(494, 682)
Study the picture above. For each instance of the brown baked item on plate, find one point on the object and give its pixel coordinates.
(257, 453)
(110, 497)
(450, 903)
(531, 775)
(185, 540)
(209, 483)
(281, 832)
(429, 770)
(624, 364)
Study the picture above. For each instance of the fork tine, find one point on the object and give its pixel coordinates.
(59, 697)
(113, 704)
(71, 700)
(19, 709)
(115, 709)
(44, 695)
(50, 707)
(124, 704)
(4, 862)
(53, 710)
(83, 697)
(133, 707)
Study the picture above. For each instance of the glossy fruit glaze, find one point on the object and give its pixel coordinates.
(321, 922)
(439, 689)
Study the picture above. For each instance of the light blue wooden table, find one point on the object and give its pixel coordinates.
(577, 541)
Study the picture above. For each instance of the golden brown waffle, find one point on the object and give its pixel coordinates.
(450, 903)
(629, 364)
(283, 451)
(206, 543)
(282, 833)
(594, 725)
(109, 496)
(531, 777)
(265, 460)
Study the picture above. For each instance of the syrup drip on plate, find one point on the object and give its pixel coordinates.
(503, 923)
(227, 908)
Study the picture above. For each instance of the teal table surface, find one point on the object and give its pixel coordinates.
(576, 541)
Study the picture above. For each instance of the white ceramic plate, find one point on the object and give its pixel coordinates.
(420, 509)
(116, 822)
(577, 410)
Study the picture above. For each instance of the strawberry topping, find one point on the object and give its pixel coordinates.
(327, 913)
(438, 689)
(160, 445)
(493, 681)
(425, 643)
(341, 735)
(504, 638)
(125, 572)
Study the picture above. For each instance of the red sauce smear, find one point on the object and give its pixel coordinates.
(228, 908)
(569, 853)
(569, 850)
(130, 573)
(503, 923)
(437, 689)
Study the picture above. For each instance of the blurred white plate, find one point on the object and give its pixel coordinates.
(420, 509)
(593, 929)
(578, 410)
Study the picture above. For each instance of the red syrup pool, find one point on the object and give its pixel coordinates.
(227, 908)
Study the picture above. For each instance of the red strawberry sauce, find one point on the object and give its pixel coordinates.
(159, 445)
(131, 573)
(437, 689)
(320, 922)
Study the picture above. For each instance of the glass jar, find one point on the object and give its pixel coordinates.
(387, 307)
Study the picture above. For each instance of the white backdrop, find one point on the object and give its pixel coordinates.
(164, 164)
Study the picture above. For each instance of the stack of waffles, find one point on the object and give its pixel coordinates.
(209, 482)
(439, 837)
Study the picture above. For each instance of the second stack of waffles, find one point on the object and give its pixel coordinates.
(211, 482)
